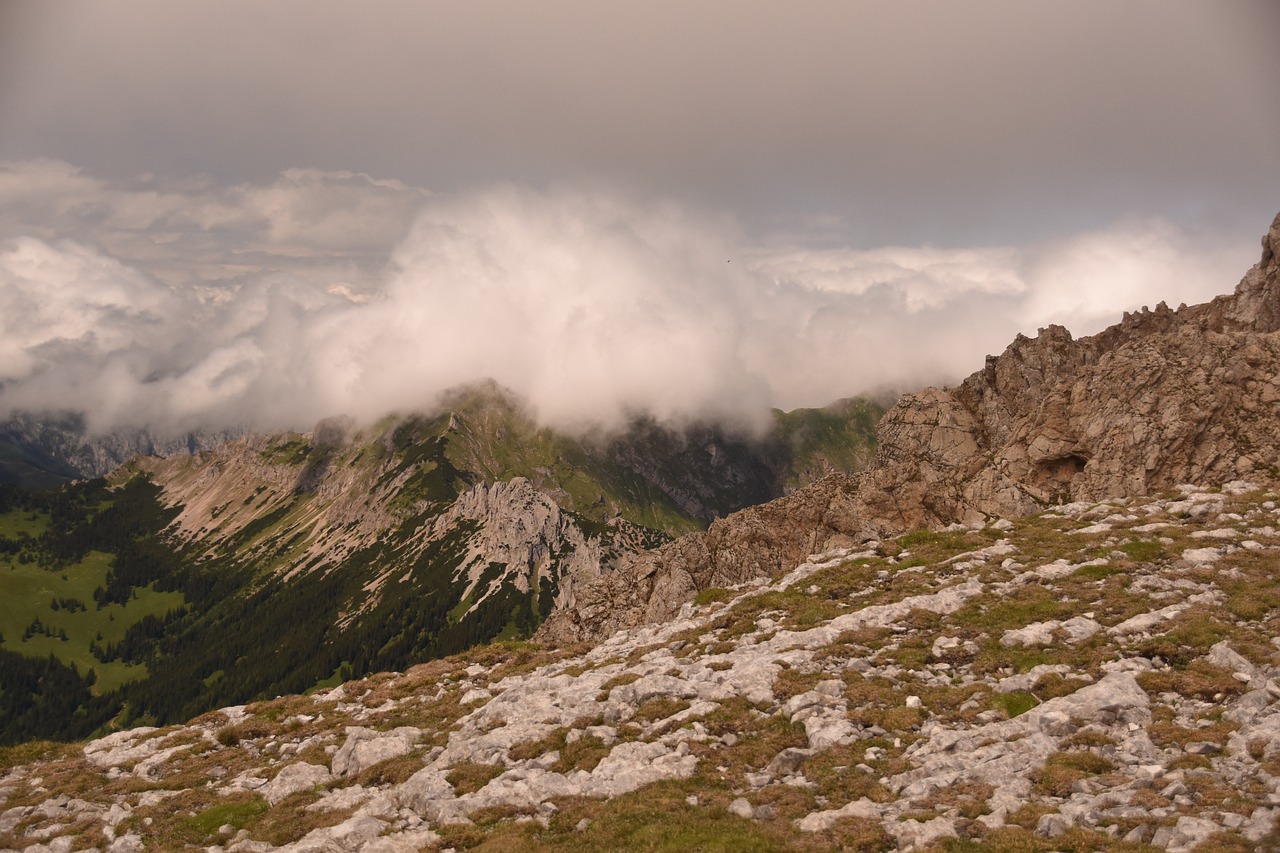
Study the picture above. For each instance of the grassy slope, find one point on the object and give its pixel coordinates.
(27, 592)
(841, 436)
(496, 440)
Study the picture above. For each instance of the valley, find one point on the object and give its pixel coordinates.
(284, 563)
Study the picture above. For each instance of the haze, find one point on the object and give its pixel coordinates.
(263, 214)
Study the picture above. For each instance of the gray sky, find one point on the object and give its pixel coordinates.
(943, 122)
(900, 185)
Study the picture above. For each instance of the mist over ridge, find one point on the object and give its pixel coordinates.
(184, 305)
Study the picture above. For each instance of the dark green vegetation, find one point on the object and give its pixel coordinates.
(105, 621)
(24, 465)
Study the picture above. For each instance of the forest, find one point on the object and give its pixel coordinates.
(184, 633)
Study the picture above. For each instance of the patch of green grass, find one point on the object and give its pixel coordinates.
(33, 751)
(291, 452)
(659, 708)
(926, 547)
(657, 819)
(1143, 551)
(1097, 572)
(711, 595)
(1027, 605)
(1063, 769)
(19, 522)
(27, 592)
(236, 813)
(467, 777)
(1014, 704)
(616, 681)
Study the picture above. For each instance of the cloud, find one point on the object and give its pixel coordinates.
(592, 304)
(194, 231)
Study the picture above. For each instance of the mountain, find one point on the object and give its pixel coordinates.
(345, 551)
(45, 450)
(1162, 398)
(1095, 678)
(1045, 618)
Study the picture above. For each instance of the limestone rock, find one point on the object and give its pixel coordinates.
(294, 778)
(366, 747)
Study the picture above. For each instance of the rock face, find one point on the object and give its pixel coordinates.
(1163, 397)
(866, 700)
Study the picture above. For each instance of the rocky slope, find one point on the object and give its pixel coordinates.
(548, 509)
(1162, 397)
(1098, 677)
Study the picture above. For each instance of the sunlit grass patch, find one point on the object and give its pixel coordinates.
(1014, 704)
(29, 592)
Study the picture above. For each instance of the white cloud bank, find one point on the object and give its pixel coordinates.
(189, 306)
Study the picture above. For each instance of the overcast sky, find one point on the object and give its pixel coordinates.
(270, 212)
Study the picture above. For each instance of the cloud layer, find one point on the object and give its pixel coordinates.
(958, 123)
(183, 304)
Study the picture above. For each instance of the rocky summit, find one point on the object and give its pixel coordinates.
(1102, 676)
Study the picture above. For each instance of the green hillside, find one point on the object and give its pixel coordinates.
(322, 557)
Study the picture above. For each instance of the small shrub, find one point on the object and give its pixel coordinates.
(1053, 685)
(659, 708)
(1087, 739)
(248, 730)
(392, 771)
(1190, 762)
(583, 754)
(1063, 769)
(1200, 679)
(236, 813)
(616, 681)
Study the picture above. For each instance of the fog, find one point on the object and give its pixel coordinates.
(183, 304)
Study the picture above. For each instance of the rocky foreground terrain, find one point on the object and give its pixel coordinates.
(1101, 676)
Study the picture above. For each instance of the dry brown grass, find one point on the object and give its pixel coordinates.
(1063, 769)
(1200, 679)
(468, 777)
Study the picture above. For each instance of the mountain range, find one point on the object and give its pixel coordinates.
(1042, 615)
(347, 550)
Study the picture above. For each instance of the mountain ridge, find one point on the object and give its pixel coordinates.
(345, 548)
(1051, 419)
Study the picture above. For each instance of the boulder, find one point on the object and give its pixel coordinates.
(365, 747)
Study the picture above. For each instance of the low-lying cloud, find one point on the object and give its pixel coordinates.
(185, 305)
